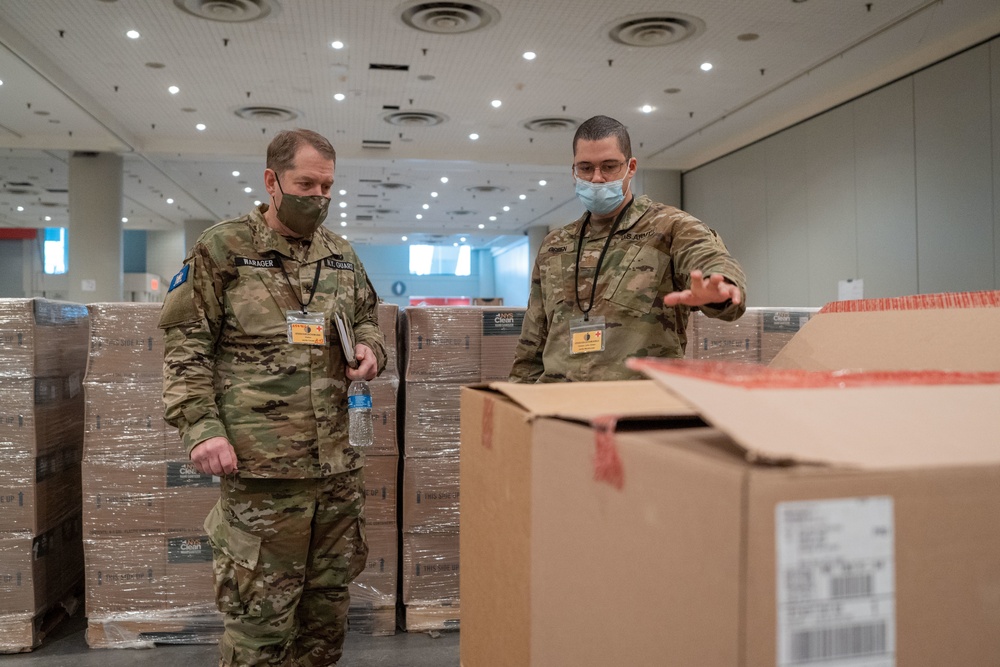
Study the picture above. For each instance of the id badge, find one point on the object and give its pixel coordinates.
(586, 335)
(305, 328)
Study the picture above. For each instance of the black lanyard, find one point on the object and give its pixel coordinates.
(312, 292)
(600, 259)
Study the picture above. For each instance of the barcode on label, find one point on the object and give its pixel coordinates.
(851, 586)
(849, 641)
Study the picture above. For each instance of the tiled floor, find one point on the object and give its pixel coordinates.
(67, 647)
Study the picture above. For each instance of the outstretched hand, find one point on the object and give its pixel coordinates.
(713, 289)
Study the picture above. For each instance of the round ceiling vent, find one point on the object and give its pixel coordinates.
(394, 186)
(485, 188)
(656, 29)
(448, 18)
(267, 114)
(228, 11)
(414, 118)
(551, 124)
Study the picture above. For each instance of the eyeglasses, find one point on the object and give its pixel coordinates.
(608, 169)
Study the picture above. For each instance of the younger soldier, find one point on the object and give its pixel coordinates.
(621, 281)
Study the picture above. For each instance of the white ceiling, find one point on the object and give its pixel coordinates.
(73, 81)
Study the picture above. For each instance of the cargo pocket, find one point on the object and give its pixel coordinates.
(234, 562)
(359, 557)
(641, 284)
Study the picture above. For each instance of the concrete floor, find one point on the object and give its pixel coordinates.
(67, 647)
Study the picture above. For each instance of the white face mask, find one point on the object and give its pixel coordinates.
(600, 198)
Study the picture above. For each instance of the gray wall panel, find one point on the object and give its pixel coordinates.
(747, 240)
(886, 191)
(830, 204)
(954, 174)
(787, 226)
(995, 87)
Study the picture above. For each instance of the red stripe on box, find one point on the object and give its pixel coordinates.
(607, 463)
(989, 299)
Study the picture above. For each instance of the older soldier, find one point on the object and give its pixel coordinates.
(621, 281)
(256, 382)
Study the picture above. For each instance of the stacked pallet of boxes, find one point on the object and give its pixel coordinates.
(373, 593)
(43, 351)
(148, 562)
(755, 338)
(446, 347)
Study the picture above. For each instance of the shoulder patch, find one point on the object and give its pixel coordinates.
(179, 278)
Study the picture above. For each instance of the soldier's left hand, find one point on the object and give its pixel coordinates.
(713, 289)
(367, 364)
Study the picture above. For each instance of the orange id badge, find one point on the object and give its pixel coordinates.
(305, 328)
(586, 335)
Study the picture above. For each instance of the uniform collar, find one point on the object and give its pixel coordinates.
(639, 206)
(267, 241)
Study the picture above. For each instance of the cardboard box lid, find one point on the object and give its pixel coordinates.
(952, 331)
(869, 420)
(586, 401)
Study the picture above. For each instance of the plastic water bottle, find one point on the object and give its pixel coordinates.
(360, 431)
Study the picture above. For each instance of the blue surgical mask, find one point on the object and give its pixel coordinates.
(600, 198)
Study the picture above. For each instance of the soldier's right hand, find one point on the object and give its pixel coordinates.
(214, 456)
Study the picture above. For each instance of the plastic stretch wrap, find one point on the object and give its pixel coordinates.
(388, 315)
(755, 338)
(431, 419)
(431, 494)
(125, 342)
(42, 338)
(430, 568)
(460, 343)
(385, 395)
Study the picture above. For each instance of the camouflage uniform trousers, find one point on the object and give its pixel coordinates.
(284, 552)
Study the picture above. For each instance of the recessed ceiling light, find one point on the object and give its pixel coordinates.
(455, 244)
(343, 204)
(343, 223)
(462, 239)
(170, 200)
(124, 219)
(496, 104)
(493, 218)
(48, 218)
(236, 173)
(426, 206)
(133, 34)
(706, 67)
(645, 108)
(473, 136)
(343, 192)
(434, 194)
(482, 226)
(343, 215)
(1, 83)
(419, 217)
(542, 182)
(528, 55)
(337, 44)
(444, 179)
(506, 208)
(404, 238)
(343, 236)
(20, 208)
(200, 127)
(522, 197)
(340, 97)
(248, 189)
(173, 90)
(256, 202)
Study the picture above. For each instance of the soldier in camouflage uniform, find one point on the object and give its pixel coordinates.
(256, 382)
(651, 264)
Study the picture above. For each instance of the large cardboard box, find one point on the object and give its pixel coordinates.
(442, 343)
(39, 570)
(40, 414)
(430, 494)
(501, 332)
(38, 493)
(380, 490)
(384, 420)
(735, 515)
(125, 342)
(376, 586)
(42, 338)
(431, 418)
(430, 568)
(388, 316)
(125, 419)
(714, 339)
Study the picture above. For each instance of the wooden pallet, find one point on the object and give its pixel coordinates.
(147, 629)
(20, 633)
(423, 618)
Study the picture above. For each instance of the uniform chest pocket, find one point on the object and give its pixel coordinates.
(254, 304)
(642, 282)
(334, 292)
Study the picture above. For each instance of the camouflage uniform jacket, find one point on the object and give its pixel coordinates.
(652, 253)
(229, 369)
